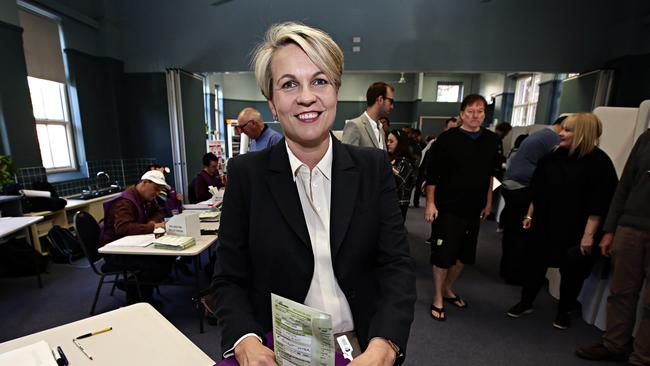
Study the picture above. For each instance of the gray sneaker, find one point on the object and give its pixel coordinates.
(520, 310)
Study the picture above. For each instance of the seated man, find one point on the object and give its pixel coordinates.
(209, 176)
(135, 212)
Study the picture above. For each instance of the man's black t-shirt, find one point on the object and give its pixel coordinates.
(461, 167)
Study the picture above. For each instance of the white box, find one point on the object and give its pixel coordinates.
(184, 224)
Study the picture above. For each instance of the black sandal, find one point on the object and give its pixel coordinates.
(441, 313)
(456, 301)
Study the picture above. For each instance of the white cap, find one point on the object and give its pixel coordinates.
(155, 176)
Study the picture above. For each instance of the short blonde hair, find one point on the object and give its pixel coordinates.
(587, 129)
(318, 45)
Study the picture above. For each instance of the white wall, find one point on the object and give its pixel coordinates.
(491, 84)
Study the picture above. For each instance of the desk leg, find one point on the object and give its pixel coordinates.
(31, 234)
(198, 289)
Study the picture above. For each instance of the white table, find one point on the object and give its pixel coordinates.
(11, 225)
(202, 243)
(140, 336)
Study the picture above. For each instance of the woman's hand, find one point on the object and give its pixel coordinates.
(527, 222)
(378, 353)
(430, 212)
(395, 171)
(485, 212)
(586, 244)
(250, 352)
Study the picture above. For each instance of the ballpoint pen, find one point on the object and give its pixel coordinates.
(95, 333)
(82, 349)
(76, 343)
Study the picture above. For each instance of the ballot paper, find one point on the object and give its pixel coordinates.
(133, 241)
(37, 354)
(302, 335)
(209, 215)
(174, 242)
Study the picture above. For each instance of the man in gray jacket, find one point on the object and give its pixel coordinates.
(627, 239)
(365, 130)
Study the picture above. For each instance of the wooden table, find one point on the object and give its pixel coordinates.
(140, 336)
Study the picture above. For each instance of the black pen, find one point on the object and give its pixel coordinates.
(63, 361)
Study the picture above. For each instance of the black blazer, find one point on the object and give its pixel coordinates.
(265, 246)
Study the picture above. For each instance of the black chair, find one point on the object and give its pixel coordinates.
(88, 232)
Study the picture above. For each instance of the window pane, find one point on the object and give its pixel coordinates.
(47, 99)
(44, 144)
(448, 93)
(37, 97)
(59, 145)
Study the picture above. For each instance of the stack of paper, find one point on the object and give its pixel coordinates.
(174, 242)
(209, 215)
(133, 241)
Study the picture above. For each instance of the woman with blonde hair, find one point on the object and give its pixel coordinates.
(571, 188)
(311, 219)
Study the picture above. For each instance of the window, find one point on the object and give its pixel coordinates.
(449, 92)
(525, 104)
(53, 126)
(43, 45)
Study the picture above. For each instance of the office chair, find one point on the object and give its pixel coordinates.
(88, 232)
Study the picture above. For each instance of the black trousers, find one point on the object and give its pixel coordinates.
(574, 269)
(515, 239)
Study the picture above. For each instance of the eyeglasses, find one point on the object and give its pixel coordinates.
(245, 124)
(391, 100)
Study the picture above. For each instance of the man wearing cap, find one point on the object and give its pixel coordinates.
(135, 212)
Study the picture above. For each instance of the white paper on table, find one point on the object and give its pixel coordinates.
(495, 183)
(37, 354)
(302, 335)
(35, 193)
(133, 241)
(198, 206)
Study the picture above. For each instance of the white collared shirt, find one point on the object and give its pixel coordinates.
(375, 128)
(315, 191)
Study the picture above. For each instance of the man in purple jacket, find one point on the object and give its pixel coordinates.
(135, 212)
(208, 176)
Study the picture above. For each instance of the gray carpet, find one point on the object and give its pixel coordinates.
(479, 335)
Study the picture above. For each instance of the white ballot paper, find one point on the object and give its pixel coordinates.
(37, 354)
(302, 335)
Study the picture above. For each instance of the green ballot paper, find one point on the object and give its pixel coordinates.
(302, 335)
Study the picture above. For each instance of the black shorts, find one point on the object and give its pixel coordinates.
(454, 238)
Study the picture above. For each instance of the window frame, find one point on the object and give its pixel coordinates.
(77, 168)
